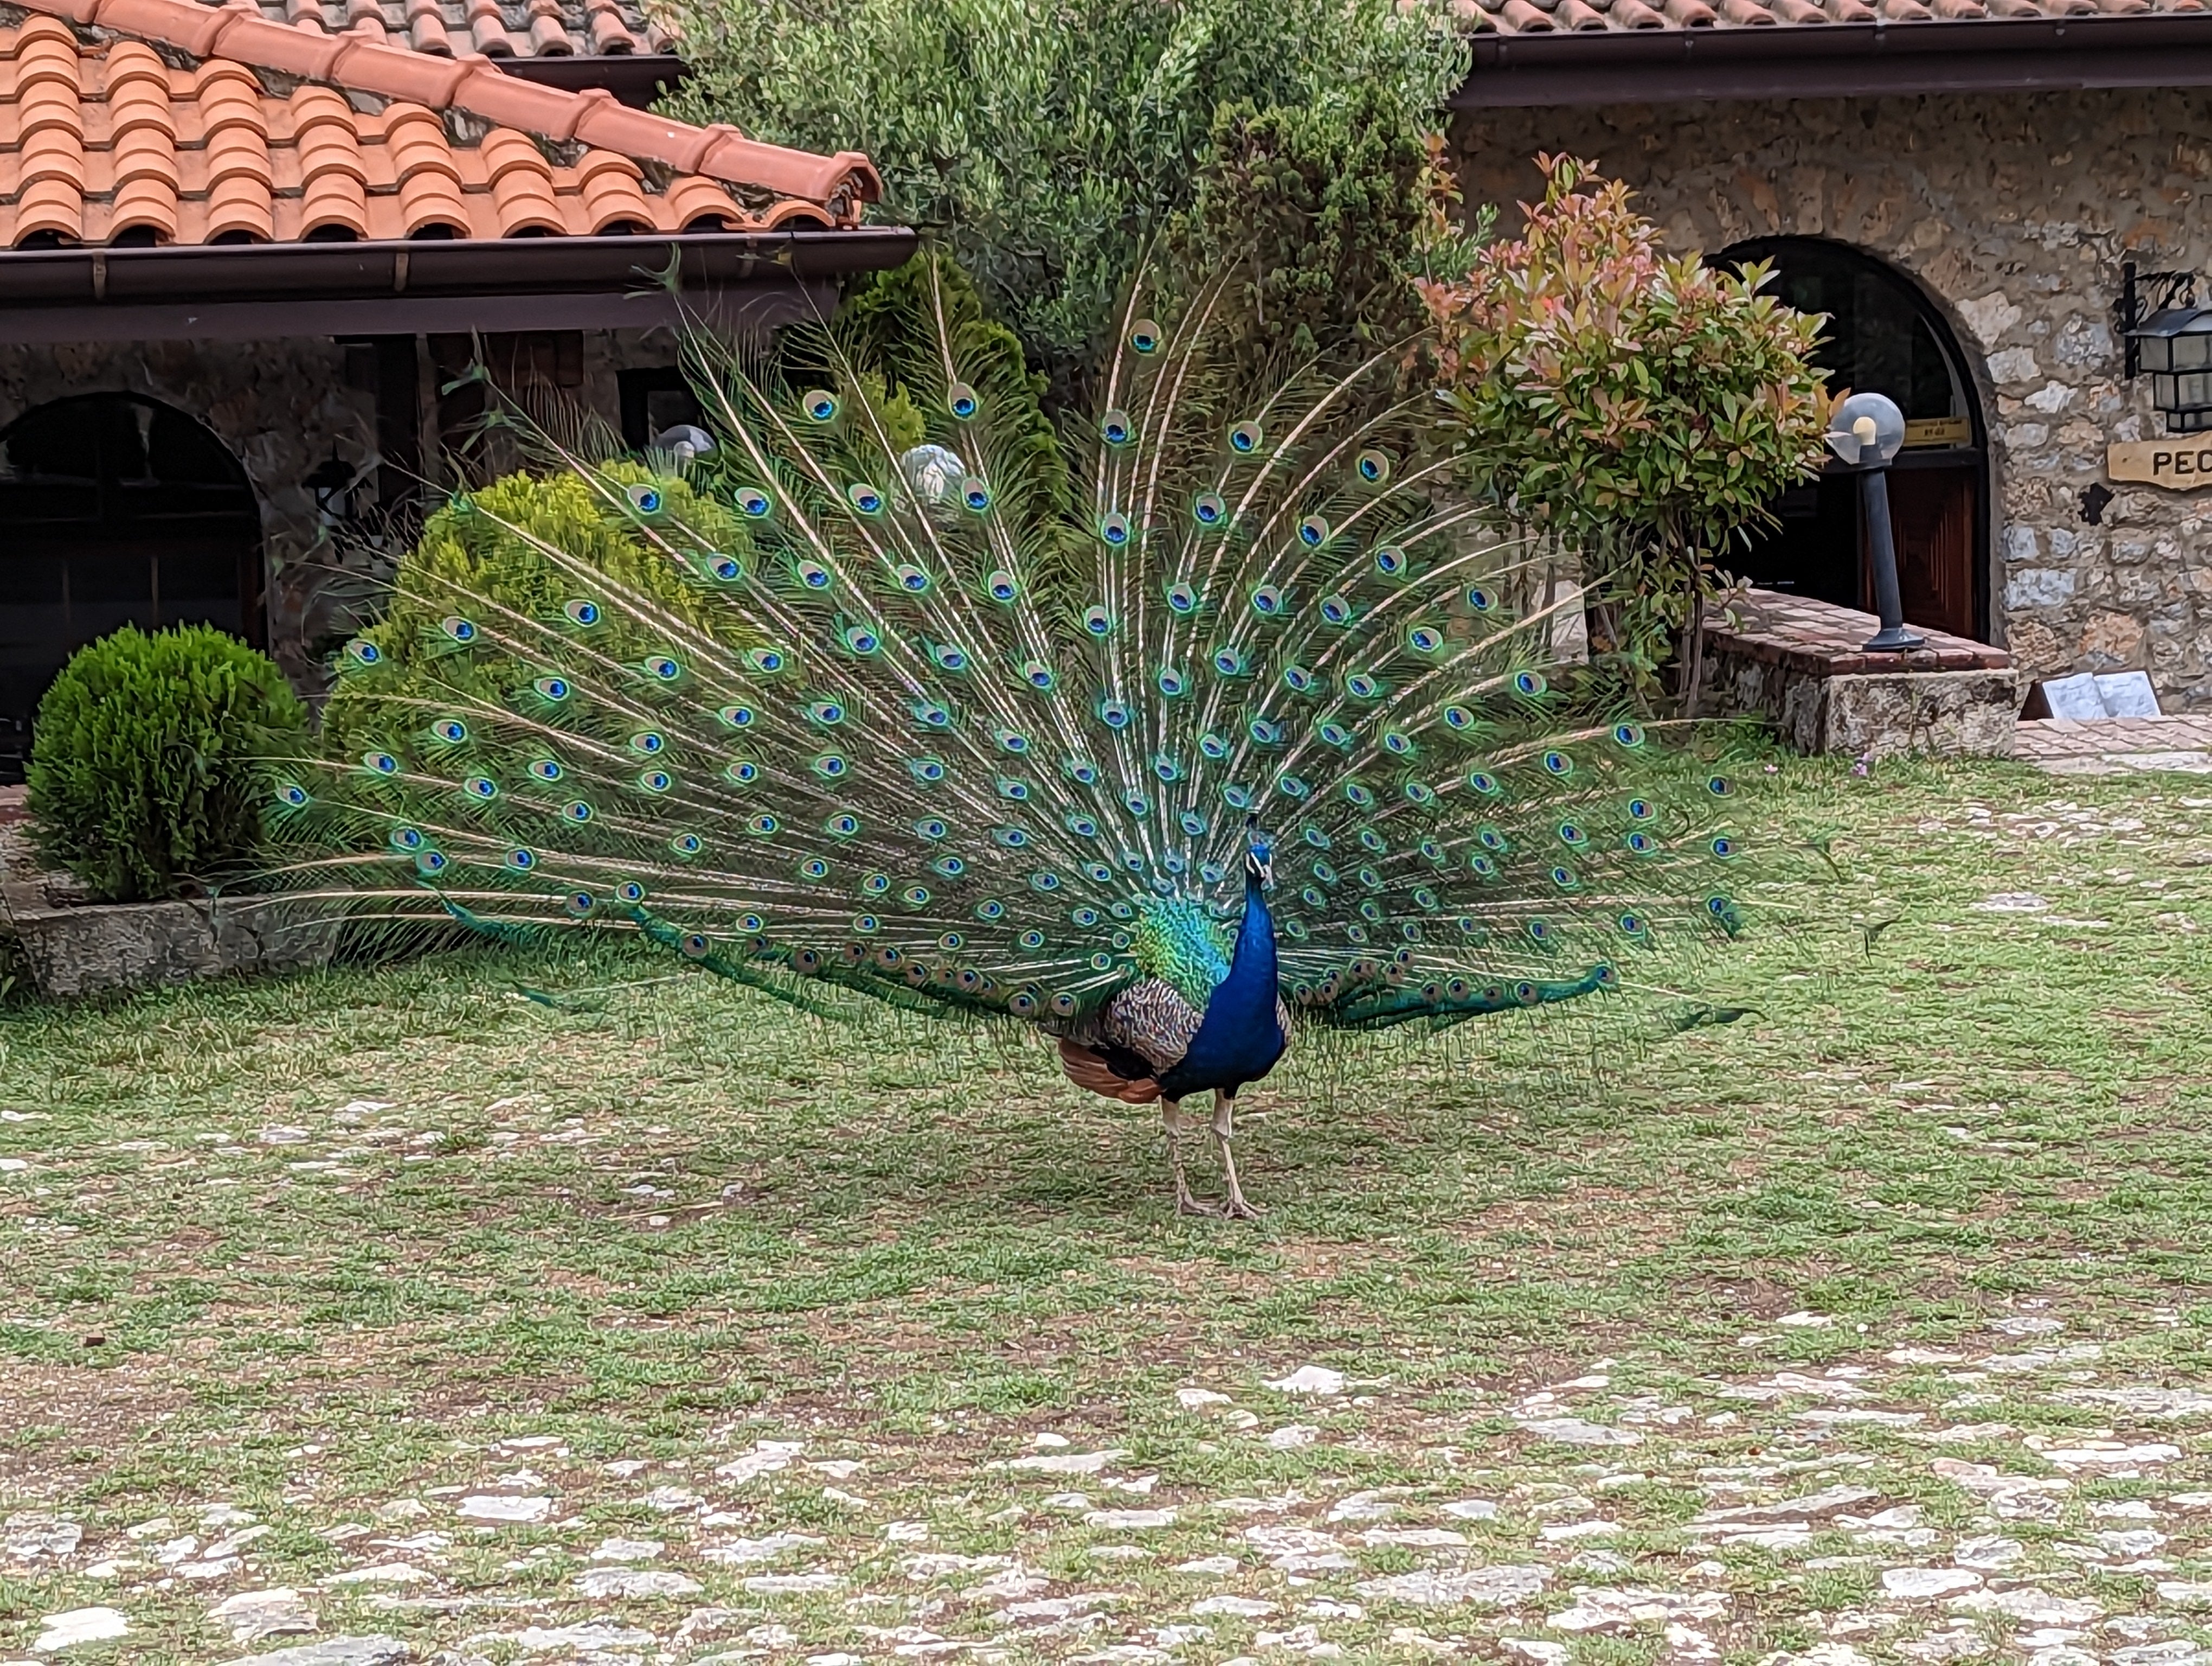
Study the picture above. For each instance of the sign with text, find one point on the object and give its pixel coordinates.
(2180, 465)
(1938, 431)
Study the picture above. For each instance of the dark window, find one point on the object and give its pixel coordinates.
(114, 510)
(1878, 334)
(653, 400)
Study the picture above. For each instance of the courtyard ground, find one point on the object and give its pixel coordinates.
(395, 1314)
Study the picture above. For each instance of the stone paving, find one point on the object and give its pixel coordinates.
(1818, 1498)
(2116, 745)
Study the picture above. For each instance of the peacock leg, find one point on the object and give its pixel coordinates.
(1225, 1107)
(1178, 1123)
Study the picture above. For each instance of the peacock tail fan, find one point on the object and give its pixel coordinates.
(897, 695)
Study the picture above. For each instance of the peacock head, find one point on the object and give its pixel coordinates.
(1258, 857)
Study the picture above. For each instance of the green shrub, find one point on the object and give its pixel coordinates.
(146, 777)
(1645, 411)
(1046, 145)
(1316, 217)
(485, 549)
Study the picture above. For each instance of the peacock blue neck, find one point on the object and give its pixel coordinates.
(1240, 1037)
(1252, 963)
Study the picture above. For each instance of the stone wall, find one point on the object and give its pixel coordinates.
(283, 408)
(2014, 213)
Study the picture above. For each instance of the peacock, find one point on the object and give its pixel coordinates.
(1168, 735)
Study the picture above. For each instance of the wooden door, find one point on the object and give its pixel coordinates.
(1932, 515)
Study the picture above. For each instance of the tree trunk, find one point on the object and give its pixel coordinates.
(1693, 679)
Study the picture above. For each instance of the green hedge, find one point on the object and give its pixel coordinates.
(147, 773)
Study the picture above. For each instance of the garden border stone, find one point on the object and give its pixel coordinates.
(128, 946)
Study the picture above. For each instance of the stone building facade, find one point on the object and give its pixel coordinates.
(291, 410)
(2011, 213)
(248, 262)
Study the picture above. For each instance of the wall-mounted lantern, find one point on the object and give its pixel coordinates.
(334, 484)
(2171, 342)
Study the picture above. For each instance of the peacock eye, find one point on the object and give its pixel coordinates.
(753, 503)
(1113, 427)
(1313, 532)
(960, 399)
(1374, 467)
(976, 494)
(1209, 509)
(645, 499)
(1245, 438)
(820, 405)
(1114, 529)
(582, 612)
(1145, 336)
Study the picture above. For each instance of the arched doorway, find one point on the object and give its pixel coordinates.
(1882, 335)
(114, 510)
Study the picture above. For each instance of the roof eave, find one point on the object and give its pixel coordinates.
(273, 291)
(1836, 60)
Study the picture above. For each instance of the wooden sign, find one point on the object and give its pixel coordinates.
(2180, 465)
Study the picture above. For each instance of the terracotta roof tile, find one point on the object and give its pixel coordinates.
(101, 137)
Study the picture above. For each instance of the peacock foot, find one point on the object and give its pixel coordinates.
(1188, 1205)
(1237, 1208)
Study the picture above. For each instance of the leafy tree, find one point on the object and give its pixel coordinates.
(1049, 144)
(1314, 215)
(1645, 409)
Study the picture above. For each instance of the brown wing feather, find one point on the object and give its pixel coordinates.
(1090, 1070)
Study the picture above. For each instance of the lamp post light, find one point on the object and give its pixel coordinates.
(1865, 433)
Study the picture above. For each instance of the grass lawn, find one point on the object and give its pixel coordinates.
(678, 1327)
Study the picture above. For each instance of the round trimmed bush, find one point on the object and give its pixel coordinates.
(146, 777)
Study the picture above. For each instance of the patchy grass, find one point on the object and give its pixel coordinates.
(315, 1249)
